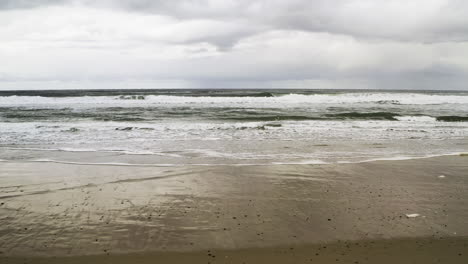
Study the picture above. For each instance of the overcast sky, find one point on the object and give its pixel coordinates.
(382, 44)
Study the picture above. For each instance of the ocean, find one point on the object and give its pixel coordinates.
(237, 127)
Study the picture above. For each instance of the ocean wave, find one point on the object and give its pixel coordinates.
(132, 97)
(416, 118)
(270, 118)
(452, 118)
(247, 100)
(150, 116)
(365, 116)
(393, 102)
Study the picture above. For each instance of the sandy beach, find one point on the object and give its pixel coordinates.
(409, 211)
(223, 131)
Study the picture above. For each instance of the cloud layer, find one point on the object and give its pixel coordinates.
(224, 43)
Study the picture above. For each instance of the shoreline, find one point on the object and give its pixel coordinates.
(299, 163)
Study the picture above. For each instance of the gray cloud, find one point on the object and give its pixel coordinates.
(18, 4)
(417, 20)
(375, 43)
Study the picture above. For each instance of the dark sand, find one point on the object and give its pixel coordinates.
(395, 251)
(342, 213)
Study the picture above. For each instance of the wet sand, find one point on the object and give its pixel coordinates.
(345, 213)
(449, 250)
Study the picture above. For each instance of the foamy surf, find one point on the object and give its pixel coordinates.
(300, 162)
(126, 152)
(231, 126)
(103, 163)
(283, 100)
(416, 118)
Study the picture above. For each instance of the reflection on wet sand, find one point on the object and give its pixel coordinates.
(50, 209)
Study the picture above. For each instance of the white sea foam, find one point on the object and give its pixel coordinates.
(104, 163)
(53, 149)
(399, 158)
(416, 118)
(302, 162)
(259, 102)
(145, 165)
(126, 152)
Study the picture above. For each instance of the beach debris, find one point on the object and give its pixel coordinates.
(441, 176)
(412, 215)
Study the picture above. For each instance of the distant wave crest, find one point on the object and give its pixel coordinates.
(259, 99)
(452, 118)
